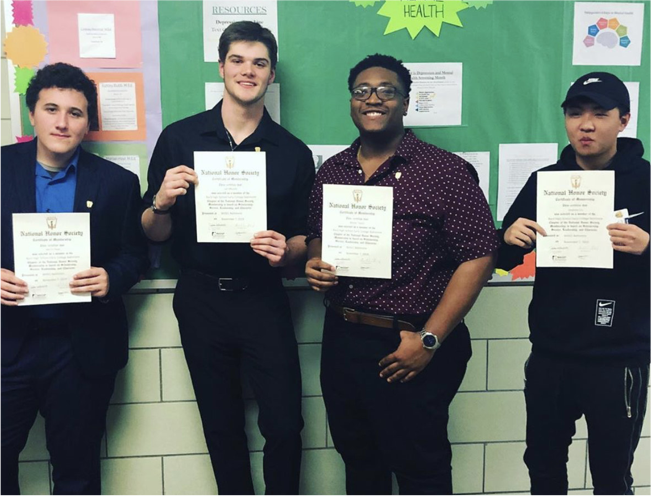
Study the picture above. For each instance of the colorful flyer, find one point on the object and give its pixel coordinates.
(608, 33)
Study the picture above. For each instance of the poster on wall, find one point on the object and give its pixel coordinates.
(481, 161)
(219, 14)
(608, 33)
(516, 163)
(634, 94)
(436, 91)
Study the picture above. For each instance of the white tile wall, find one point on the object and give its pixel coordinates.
(132, 476)
(155, 442)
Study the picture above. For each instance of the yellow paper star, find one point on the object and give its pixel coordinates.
(364, 3)
(414, 15)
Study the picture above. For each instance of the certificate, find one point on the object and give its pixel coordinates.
(574, 207)
(357, 227)
(48, 250)
(231, 198)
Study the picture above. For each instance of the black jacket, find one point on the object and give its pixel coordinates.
(99, 328)
(562, 313)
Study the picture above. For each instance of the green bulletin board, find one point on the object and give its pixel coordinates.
(516, 56)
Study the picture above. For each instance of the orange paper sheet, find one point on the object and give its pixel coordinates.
(121, 77)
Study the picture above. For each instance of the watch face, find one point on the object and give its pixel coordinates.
(429, 341)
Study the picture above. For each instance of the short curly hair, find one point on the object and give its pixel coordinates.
(386, 62)
(66, 77)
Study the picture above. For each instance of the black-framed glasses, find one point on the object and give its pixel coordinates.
(384, 93)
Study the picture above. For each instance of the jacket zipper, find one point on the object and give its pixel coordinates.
(628, 390)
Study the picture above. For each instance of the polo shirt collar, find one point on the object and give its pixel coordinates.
(348, 157)
(214, 124)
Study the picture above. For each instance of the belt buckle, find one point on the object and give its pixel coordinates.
(346, 311)
(219, 282)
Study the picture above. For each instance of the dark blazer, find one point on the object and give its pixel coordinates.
(99, 328)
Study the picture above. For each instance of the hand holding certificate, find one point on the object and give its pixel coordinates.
(357, 228)
(574, 207)
(231, 197)
(49, 250)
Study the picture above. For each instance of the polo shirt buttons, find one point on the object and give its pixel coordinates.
(360, 171)
(350, 286)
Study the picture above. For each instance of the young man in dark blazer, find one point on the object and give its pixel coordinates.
(61, 360)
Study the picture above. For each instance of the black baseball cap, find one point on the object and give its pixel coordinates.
(603, 88)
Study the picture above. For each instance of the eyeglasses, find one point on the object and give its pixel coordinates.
(384, 93)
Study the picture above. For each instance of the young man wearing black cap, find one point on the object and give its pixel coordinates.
(581, 364)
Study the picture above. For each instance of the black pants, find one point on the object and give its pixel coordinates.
(223, 333)
(379, 428)
(46, 377)
(613, 400)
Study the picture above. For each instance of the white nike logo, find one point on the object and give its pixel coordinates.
(604, 304)
(591, 80)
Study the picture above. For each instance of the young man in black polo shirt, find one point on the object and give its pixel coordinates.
(589, 327)
(229, 301)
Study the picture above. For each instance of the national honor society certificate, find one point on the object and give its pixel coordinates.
(357, 228)
(574, 207)
(48, 250)
(231, 198)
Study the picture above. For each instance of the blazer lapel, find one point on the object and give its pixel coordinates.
(87, 183)
(26, 179)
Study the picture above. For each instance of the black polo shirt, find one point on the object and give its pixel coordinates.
(290, 174)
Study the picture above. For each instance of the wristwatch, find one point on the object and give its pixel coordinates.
(157, 210)
(430, 341)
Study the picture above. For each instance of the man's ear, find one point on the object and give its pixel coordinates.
(272, 76)
(623, 121)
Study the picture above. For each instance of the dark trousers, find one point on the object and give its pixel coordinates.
(613, 400)
(251, 331)
(46, 377)
(379, 428)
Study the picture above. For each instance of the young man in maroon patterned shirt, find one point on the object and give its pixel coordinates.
(395, 350)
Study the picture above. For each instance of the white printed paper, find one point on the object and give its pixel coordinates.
(516, 163)
(96, 36)
(49, 249)
(482, 163)
(321, 153)
(219, 14)
(214, 92)
(117, 102)
(608, 33)
(436, 94)
(129, 162)
(574, 208)
(634, 94)
(357, 228)
(231, 197)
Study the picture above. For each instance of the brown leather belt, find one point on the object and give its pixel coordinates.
(372, 319)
